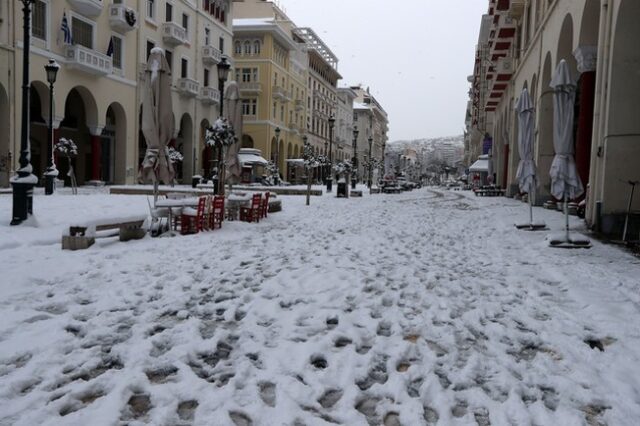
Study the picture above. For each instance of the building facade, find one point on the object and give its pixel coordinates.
(372, 122)
(526, 41)
(272, 73)
(344, 123)
(98, 92)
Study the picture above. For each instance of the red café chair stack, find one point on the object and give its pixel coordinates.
(192, 220)
(217, 212)
(251, 214)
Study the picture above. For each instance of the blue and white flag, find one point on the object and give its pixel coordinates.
(66, 31)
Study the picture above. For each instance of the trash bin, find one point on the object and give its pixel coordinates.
(195, 181)
(342, 189)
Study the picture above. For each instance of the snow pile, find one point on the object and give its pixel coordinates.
(416, 308)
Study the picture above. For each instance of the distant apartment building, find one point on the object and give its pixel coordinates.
(373, 124)
(98, 93)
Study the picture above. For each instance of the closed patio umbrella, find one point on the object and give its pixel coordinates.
(234, 116)
(565, 182)
(526, 173)
(157, 121)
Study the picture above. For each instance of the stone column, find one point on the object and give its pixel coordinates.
(586, 57)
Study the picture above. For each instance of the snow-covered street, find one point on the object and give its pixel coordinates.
(425, 307)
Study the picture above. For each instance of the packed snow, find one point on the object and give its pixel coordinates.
(425, 307)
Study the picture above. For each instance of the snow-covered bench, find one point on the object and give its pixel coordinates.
(84, 236)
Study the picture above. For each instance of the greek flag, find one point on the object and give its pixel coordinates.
(66, 31)
(110, 48)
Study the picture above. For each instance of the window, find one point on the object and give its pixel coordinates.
(247, 47)
(206, 77)
(82, 32)
(169, 56)
(238, 48)
(207, 37)
(168, 13)
(39, 20)
(184, 68)
(221, 44)
(275, 109)
(281, 112)
(185, 23)
(256, 47)
(151, 9)
(249, 107)
(150, 46)
(246, 75)
(117, 52)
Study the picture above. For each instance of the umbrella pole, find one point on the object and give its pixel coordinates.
(530, 209)
(566, 216)
(626, 219)
(155, 192)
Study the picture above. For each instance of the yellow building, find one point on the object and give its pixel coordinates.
(271, 72)
(98, 92)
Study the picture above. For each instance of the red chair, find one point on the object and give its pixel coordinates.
(217, 212)
(192, 220)
(251, 214)
(264, 205)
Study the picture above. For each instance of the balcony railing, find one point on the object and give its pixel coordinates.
(250, 87)
(299, 104)
(188, 87)
(211, 55)
(281, 94)
(293, 127)
(173, 34)
(88, 60)
(122, 18)
(209, 95)
(90, 8)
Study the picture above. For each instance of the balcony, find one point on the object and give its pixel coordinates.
(516, 9)
(249, 118)
(88, 60)
(211, 55)
(281, 94)
(122, 18)
(89, 8)
(188, 87)
(173, 34)
(250, 88)
(293, 128)
(209, 95)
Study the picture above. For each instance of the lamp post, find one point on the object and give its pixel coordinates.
(332, 122)
(370, 160)
(277, 156)
(25, 181)
(50, 175)
(323, 169)
(354, 161)
(223, 74)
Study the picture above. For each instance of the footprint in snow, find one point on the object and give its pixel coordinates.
(267, 392)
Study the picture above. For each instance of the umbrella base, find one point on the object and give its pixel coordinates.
(532, 226)
(573, 242)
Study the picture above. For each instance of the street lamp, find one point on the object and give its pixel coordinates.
(277, 156)
(332, 122)
(25, 181)
(370, 160)
(50, 175)
(223, 74)
(354, 161)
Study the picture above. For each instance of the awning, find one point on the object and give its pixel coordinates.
(481, 165)
(250, 159)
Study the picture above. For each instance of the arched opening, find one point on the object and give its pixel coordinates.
(113, 145)
(247, 141)
(39, 131)
(5, 159)
(185, 144)
(142, 143)
(289, 167)
(80, 124)
(544, 140)
(281, 155)
(620, 149)
(273, 149)
(209, 159)
(585, 56)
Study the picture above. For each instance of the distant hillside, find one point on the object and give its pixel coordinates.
(428, 145)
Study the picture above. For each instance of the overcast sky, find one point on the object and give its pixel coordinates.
(415, 55)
